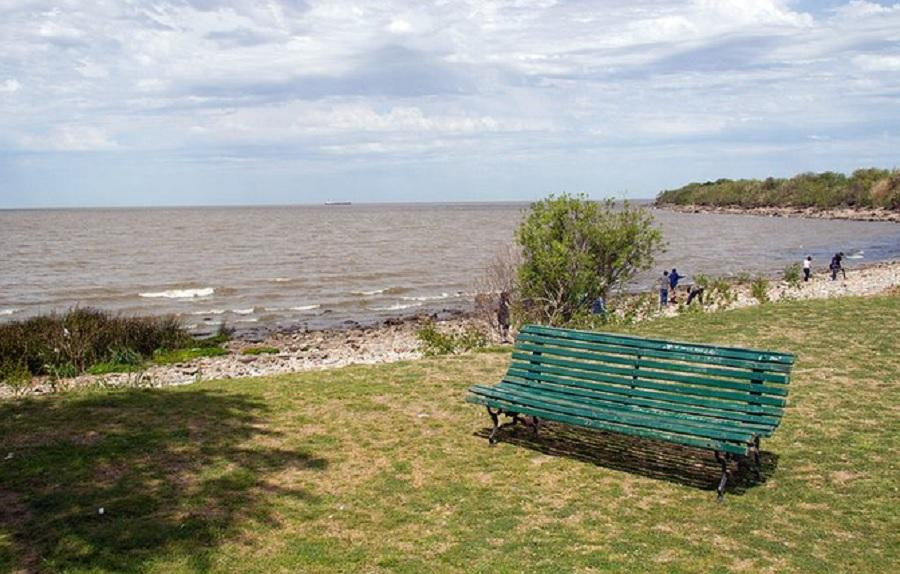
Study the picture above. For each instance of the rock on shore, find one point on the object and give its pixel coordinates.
(810, 212)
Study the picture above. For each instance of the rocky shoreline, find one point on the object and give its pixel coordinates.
(808, 212)
(395, 339)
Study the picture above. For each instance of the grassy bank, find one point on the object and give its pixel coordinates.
(385, 468)
(865, 188)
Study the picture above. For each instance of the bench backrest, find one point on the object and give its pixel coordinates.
(744, 385)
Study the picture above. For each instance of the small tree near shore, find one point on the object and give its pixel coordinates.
(574, 250)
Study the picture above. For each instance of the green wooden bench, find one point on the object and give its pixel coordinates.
(722, 399)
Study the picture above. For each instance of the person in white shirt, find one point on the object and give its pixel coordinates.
(807, 267)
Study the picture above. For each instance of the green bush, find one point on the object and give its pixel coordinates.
(793, 275)
(66, 344)
(14, 373)
(717, 291)
(574, 250)
(435, 342)
(759, 289)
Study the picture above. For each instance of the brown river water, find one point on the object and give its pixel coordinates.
(322, 266)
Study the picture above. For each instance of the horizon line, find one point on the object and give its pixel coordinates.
(310, 204)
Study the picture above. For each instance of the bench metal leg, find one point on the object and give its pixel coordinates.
(757, 462)
(495, 418)
(720, 491)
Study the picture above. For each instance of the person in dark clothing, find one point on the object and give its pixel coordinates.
(836, 266)
(695, 292)
(598, 307)
(674, 277)
(503, 316)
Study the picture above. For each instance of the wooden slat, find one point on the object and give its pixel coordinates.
(708, 444)
(653, 415)
(629, 356)
(618, 417)
(672, 355)
(700, 350)
(698, 390)
(735, 418)
(647, 372)
(621, 387)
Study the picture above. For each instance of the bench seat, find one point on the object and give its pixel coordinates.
(716, 398)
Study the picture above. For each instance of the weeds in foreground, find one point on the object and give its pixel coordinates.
(64, 345)
(793, 275)
(759, 289)
(436, 342)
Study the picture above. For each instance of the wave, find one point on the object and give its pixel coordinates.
(209, 312)
(428, 297)
(242, 311)
(369, 293)
(397, 307)
(5, 312)
(179, 293)
(384, 291)
(305, 307)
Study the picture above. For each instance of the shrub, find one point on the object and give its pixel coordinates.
(435, 342)
(14, 373)
(717, 291)
(575, 250)
(759, 289)
(793, 275)
(498, 276)
(66, 344)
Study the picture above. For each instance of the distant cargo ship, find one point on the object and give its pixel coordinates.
(337, 203)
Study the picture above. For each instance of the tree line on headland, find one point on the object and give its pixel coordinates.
(869, 188)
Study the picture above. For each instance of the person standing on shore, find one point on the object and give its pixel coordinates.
(836, 266)
(664, 289)
(807, 267)
(503, 316)
(674, 277)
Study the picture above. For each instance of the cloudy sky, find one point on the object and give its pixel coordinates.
(162, 102)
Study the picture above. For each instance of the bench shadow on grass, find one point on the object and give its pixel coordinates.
(177, 474)
(660, 460)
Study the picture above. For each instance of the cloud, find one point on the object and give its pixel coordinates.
(70, 138)
(10, 86)
(537, 79)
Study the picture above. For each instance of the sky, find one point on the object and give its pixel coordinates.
(196, 102)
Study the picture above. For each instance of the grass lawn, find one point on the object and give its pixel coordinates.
(385, 468)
